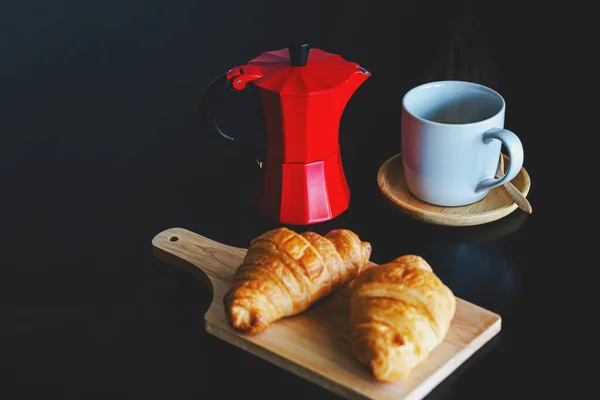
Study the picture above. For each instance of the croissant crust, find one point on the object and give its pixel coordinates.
(284, 273)
(399, 313)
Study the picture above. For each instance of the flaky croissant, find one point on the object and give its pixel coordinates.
(399, 312)
(284, 273)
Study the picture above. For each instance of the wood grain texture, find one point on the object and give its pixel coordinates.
(495, 205)
(315, 344)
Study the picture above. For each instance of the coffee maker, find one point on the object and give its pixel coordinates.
(304, 92)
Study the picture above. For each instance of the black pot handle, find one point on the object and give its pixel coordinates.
(208, 100)
(233, 80)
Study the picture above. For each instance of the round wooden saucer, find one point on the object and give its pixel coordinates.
(497, 204)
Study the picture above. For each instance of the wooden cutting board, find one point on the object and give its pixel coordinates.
(315, 344)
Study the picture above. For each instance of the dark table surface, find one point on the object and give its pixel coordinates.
(102, 149)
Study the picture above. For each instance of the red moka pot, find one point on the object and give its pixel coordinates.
(304, 92)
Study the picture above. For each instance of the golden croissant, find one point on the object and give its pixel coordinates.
(399, 313)
(284, 273)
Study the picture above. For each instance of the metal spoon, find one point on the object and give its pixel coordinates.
(514, 193)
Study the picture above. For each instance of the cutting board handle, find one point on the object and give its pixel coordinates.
(212, 262)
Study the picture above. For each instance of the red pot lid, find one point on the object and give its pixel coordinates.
(300, 70)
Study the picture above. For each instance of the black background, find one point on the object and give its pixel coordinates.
(102, 148)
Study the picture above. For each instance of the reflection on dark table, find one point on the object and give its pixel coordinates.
(102, 149)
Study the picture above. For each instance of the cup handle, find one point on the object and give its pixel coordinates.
(514, 147)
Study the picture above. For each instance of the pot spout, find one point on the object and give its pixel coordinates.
(355, 80)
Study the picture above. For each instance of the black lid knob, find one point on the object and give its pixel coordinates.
(298, 49)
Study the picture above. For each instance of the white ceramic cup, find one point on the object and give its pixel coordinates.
(453, 162)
